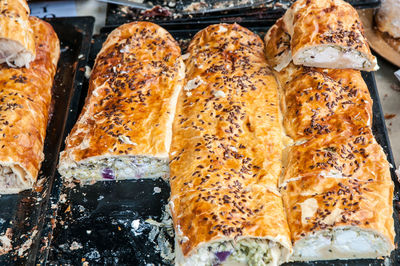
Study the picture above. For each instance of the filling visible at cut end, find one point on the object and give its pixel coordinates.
(341, 243)
(11, 179)
(118, 168)
(243, 252)
(333, 56)
(14, 54)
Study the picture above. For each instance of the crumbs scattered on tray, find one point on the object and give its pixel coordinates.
(64, 49)
(160, 233)
(88, 72)
(63, 198)
(27, 244)
(75, 245)
(5, 242)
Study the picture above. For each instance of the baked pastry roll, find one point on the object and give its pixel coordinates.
(327, 34)
(388, 19)
(228, 107)
(17, 43)
(24, 111)
(226, 154)
(228, 226)
(333, 218)
(336, 185)
(124, 130)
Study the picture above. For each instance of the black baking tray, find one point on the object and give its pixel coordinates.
(95, 224)
(272, 10)
(24, 214)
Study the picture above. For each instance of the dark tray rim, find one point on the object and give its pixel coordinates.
(84, 25)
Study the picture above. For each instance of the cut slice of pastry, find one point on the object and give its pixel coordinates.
(230, 227)
(24, 111)
(333, 218)
(124, 130)
(327, 34)
(17, 44)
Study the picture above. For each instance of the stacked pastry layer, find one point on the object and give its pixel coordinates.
(226, 154)
(24, 111)
(336, 186)
(124, 130)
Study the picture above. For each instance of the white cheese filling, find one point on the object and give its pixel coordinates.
(330, 56)
(253, 252)
(340, 243)
(119, 168)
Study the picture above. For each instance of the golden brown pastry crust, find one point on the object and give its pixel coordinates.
(351, 154)
(316, 22)
(228, 214)
(316, 101)
(24, 106)
(15, 24)
(319, 102)
(129, 107)
(365, 204)
(227, 143)
(227, 130)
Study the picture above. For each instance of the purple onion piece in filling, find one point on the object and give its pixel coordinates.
(222, 255)
(108, 173)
